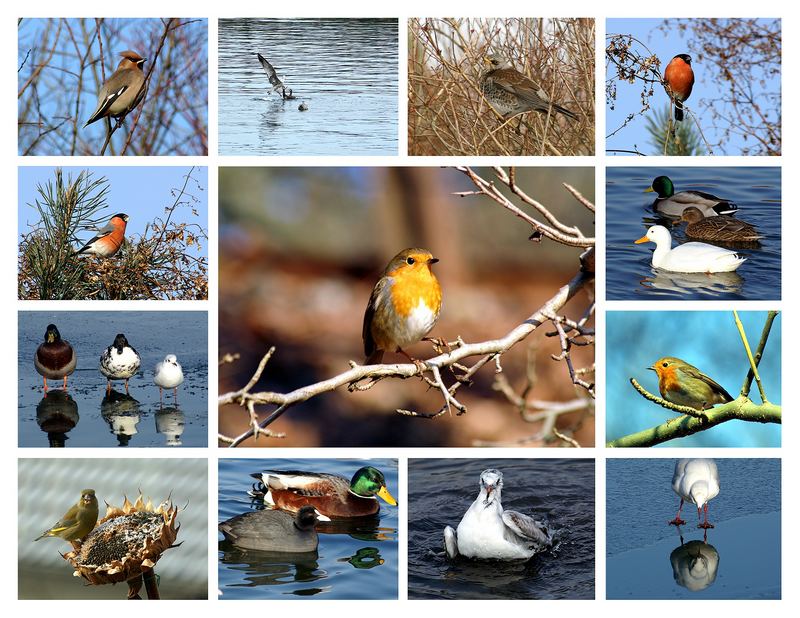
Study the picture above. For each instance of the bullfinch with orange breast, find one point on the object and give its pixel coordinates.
(678, 81)
(109, 239)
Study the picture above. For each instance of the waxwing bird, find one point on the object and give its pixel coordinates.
(55, 358)
(109, 239)
(78, 521)
(678, 81)
(119, 361)
(122, 91)
(510, 92)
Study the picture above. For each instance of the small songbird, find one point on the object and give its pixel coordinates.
(511, 93)
(55, 358)
(123, 90)
(404, 305)
(119, 361)
(685, 385)
(109, 239)
(695, 481)
(678, 81)
(78, 521)
(168, 374)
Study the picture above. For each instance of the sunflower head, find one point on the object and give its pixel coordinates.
(125, 543)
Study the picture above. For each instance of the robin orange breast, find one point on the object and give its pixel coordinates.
(685, 385)
(404, 305)
(678, 81)
(109, 239)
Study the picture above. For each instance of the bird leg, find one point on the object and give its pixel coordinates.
(176, 394)
(65, 382)
(160, 399)
(108, 387)
(678, 521)
(705, 524)
(126, 387)
(421, 366)
(45, 384)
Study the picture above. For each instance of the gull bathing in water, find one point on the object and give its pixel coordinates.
(488, 532)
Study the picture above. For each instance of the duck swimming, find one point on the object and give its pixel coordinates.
(691, 257)
(331, 494)
(722, 228)
(673, 204)
(488, 532)
(695, 481)
(55, 358)
(275, 531)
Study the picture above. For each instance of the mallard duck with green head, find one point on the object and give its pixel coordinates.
(55, 358)
(673, 204)
(332, 495)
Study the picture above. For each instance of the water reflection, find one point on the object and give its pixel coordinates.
(57, 415)
(693, 283)
(263, 568)
(121, 412)
(170, 422)
(694, 564)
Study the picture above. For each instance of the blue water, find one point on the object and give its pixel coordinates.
(85, 415)
(708, 340)
(354, 560)
(629, 275)
(741, 556)
(559, 491)
(345, 70)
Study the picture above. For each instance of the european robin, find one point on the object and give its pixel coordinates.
(109, 239)
(404, 305)
(78, 521)
(678, 81)
(684, 384)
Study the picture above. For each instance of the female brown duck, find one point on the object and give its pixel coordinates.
(332, 495)
(722, 228)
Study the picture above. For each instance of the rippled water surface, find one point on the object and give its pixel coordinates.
(345, 70)
(355, 560)
(561, 492)
(85, 415)
(629, 275)
(740, 558)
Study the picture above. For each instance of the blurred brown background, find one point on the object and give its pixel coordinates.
(300, 250)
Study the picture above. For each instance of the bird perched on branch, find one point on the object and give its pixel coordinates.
(78, 521)
(119, 361)
(55, 358)
(109, 239)
(678, 81)
(404, 305)
(510, 92)
(122, 91)
(685, 385)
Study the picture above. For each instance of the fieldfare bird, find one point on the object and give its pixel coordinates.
(510, 92)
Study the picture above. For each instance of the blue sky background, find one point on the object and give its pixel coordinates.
(629, 95)
(141, 192)
(708, 340)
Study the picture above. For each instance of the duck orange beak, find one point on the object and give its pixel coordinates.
(641, 240)
(384, 493)
(649, 190)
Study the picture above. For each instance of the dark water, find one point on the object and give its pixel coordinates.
(345, 70)
(741, 558)
(629, 275)
(354, 560)
(85, 416)
(559, 491)
(708, 340)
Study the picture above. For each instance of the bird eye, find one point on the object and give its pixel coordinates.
(410, 261)
(665, 364)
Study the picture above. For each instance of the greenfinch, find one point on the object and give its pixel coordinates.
(78, 521)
